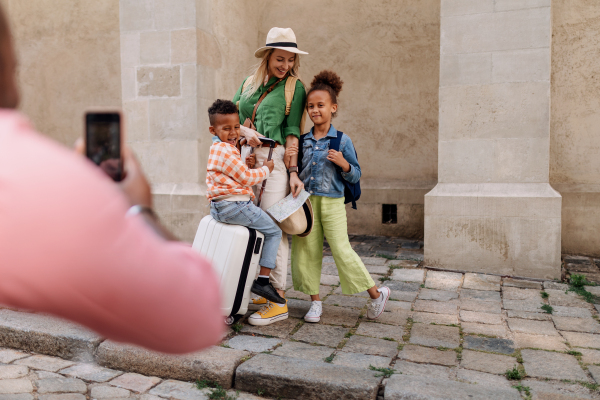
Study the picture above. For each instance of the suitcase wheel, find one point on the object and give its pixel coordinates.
(232, 319)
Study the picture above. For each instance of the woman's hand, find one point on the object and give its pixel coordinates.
(251, 136)
(296, 185)
(290, 151)
(251, 161)
(338, 159)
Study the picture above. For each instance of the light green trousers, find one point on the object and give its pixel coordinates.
(307, 252)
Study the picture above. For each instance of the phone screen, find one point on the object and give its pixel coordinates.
(103, 142)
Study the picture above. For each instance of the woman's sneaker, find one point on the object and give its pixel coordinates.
(269, 314)
(315, 312)
(257, 303)
(377, 306)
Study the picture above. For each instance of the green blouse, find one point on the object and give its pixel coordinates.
(271, 120)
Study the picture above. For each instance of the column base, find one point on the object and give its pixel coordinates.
(510, 229)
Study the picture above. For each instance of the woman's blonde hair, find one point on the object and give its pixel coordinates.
(261, 70)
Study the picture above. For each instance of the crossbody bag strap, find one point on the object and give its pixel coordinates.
(269, 90)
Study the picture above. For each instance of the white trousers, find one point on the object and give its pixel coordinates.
(278, 186)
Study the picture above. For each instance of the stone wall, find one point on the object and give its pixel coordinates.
(575, 122)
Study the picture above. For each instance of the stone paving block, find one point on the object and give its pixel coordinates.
(518, 325)
(281, 329)
(585, 325)
(61, 385)
(528, 315)
(357, 360)
(374, 260)
(345, 301)
(365, 294)
(297, 308)
(216, 364)
(595, 371)
(400, 387)
(373, 346)
(380, 331)
(11, 386)
(397, 306)
(135, 382)
(523, 305)
(482, 378)
(512, 293)
(449, 307)
(13, 371)
(524, 340)
(433, 371)
(321, 334)
(45, 363)
(8, 355)
(344, 316)
(490, 307)
(403, 263)
(428, 355)
(556, 390)
(510, 282)
(595, 290)
(303, 351)
(91, 372)
(482, 282)
(403, 286)
(590, 356)
(437, 295)
(254, 344)
(108, 392)
(377, 269)
(485, 362)
(179, 390)
(408, 275)
(435, 335)
(395, 318)
(570, 299)
(544, 364)
(443, 280)
(494, 345)
(483, 329)
(303, 379)
(555, 286)
(397, 295)
(20, 396)
(46, 335)
(479, 295)
(440, 319)
(330, 280)
(574, 312)
(482, 318)
(294, 294)
(580, 339)
(62, 396)
(47, 375)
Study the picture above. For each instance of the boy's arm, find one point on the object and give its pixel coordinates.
(349, 153)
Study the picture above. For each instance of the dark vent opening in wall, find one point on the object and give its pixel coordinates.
(389, 214)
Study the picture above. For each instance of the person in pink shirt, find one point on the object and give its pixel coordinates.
(68, 248)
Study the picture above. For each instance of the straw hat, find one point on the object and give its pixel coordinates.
(300, 223)
(280, 38)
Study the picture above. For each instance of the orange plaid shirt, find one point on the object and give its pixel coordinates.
(228, 176)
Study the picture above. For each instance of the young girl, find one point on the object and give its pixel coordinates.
(325, 183)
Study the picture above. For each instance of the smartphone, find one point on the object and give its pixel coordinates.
(104, 141)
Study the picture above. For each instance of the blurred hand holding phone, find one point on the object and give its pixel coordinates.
(104, 141)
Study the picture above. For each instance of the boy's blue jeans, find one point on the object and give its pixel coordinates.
(245, 213)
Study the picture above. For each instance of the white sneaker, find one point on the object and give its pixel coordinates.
(375, 308)
(315, 312)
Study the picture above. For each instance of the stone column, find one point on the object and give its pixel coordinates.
(493, 209)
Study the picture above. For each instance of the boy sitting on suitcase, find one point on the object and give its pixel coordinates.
(230, 183)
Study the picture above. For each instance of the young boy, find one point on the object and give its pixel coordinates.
(229, 183)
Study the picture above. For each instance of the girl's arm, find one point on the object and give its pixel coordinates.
(349, 153)
(291, 132)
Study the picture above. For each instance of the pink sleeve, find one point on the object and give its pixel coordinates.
(66, 248)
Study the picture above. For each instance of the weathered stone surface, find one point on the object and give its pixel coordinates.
(479, 317)
(179, 391)
(544, 364)
(216, 363)
(357, 360)
(443, 280)
(108, 392)
(437, 295)
(374, 260)
(8, 355)
(555, 286)
(10, 386)
(13, 371)
(595, 290)
(345, 301)
(377, 269)
(586, 325)
(490, 307)
(344, 316)
(298, 308)
(281, 329)
(45, 363)
(323, 291)
(485, 329)
(400, 387)
(428, 355)
(321, 334)
(46, 335)
(485, 362)
(518, 325)
(91, 372)
(495, 345)
(62, 396)
(440, 319)
(380, 331)
(595, 371)
(396, 318)
(574, 312)
(397, 295)
(435, 335)
(408, 275)
(556, 390)
(580, 339)
(523, 305)
(397, 306)
(294, 378)
(482, 378)
(20, 396)
(433, 371)
(159, 81)
(524, 340)
(569, 299)
(482, 282)
(47, 375)
(303, 351)
(510, 282)
(528, 315)
(368, 345)
(449, 307)
(329, 280)
(590, 356)
(396, 286)
(253, 344)
(136, 382)
(512, 293)
(479, 295)
(61, 385)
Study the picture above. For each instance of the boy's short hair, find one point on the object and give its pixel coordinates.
(223, 107)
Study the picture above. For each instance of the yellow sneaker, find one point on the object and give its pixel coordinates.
(270, 313)
(257, 303)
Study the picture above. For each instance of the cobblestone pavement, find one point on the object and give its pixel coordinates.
(444, 335)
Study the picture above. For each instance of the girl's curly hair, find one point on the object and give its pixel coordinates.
(328, 81)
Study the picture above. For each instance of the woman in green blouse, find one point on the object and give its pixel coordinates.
(280, 61)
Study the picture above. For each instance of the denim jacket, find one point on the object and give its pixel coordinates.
(319, 174)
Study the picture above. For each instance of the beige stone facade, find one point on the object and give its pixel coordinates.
(492, 103)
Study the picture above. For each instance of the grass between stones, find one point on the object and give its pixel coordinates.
(385, 372)
(386, 256)
(237, 327)
(544, 295)
(515, 374)
(524, 389)
(577, 283)
(216, 391)
(409, 324)
(547, 308)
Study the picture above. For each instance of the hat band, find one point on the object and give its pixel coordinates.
(308, 218)
(282, 44)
